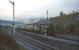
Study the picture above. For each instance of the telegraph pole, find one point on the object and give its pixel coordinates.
(47, 14)
(13, 4)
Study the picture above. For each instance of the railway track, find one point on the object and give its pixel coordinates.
(39, 44)
(48, 42)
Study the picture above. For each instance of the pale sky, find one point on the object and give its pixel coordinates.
(36, 8)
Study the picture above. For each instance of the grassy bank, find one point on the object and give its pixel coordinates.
(6, 41)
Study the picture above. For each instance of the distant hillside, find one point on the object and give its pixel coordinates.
(65, 19)
(64, 23)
